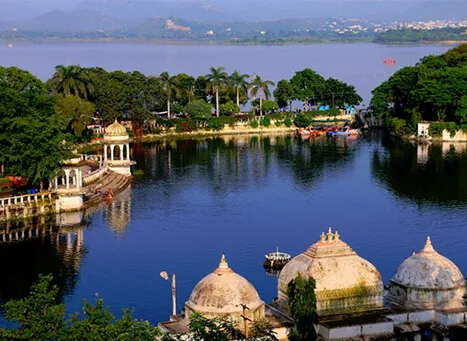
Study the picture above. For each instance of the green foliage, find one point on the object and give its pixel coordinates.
(397, 126)
(32, 139)
(71, 80)
(284, 94)
(270, 106)
(278, 123)
(219, 329)
(302, 306)
(229, 108)
(218, 123)
(265, 122)
(414, 36)
(303, 121)
(436, 128)
(185, 125)
(77, 111)
(288, 122)
(199, 110)
(254, 124)
(435, 88)
(38, 317)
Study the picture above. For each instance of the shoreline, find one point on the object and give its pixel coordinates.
(205, 134)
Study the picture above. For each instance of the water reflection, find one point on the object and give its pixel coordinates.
(427, 173)
(117, 212)
(235, 163)
(41, 246)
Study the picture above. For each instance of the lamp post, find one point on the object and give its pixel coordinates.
(165, 276)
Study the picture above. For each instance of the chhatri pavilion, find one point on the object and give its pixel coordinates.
(425, 296)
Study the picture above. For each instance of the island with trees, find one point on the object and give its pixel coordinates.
(433, 90)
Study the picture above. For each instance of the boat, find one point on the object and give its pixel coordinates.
(307, 132)
(276, 260)
(389, 61)
(354, 132)
(338, 133)
(10, 45)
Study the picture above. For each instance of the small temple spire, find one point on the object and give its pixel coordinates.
(223, 263)
(322, 237)
(428, 245)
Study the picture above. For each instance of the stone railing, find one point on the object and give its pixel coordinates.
(94, 176)
(27, 199)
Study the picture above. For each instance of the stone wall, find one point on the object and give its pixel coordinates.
(23, 207)
(423, 132)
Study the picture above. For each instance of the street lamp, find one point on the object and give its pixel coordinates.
(165, 276)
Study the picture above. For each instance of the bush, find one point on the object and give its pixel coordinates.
(218, 123)
(265, 122)
(396, 125)
(303, 120)
(288, 122)
(436, 129)
(185, 125)
(199, 109)
(229, 108)
(278, 123)
(254, 124)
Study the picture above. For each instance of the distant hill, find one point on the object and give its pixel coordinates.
(61, 21)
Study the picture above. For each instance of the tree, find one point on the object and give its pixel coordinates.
(78, 111)
(38, 317)
(302, 306)
(32, 139)
(262, 87)
(229, 108)
(284, 94)
(462, 111)
(216, 80)
(71, 80)
(199, 109)
(170, 85)
(239, 81)
(219, 329)
(338, 93)
(309, 86)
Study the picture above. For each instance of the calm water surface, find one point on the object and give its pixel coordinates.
(358, 64)
(246, 196)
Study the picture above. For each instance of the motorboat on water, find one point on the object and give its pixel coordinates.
(276, 260)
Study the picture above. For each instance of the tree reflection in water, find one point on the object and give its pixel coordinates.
(234, 163)
(435, 173)
(40, 246)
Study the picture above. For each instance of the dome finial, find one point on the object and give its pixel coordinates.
(428, 245)
(223, 264)
(330, 235)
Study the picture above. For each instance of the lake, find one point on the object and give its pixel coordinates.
(245, 196)
(360, 64)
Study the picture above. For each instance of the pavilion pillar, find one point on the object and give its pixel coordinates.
(56, 183)
(121, 152)
(112, 152)
(128, 151)
(78, 178)
(105, 152)
(67, 178)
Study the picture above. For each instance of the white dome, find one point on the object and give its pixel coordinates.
(340, 274)
(114, 131)
(428, 269)
(223, 292)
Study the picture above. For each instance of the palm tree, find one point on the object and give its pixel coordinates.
(169, 84)
(216, 80)
(258, 85)
(71, 80)
(239, 81)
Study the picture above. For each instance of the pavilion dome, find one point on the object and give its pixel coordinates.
(427, 269)
(344, 280)
(116, 129)
(223, 293)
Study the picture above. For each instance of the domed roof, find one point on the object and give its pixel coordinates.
(428, 269)
(116, 129)
(223, 291)
(337, 269)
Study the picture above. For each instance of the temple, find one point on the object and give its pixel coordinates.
(425, 297)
